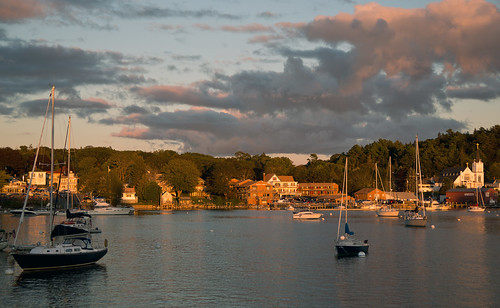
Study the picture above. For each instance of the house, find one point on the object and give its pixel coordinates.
(39, 178)
(429, 185)
(283, 185)
(318, 189)
(465, 177)
(129, 195)
(199, 190)
(15, 187)
(61, 181)
(256, 193)
(371, 194)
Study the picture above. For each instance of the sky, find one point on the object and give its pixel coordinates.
(284, 78)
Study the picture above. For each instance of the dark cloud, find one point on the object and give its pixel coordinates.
(25, 65)
(97, 14)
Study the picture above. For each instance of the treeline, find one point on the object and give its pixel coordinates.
(103, 171)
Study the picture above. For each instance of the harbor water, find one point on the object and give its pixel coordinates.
(266, 259)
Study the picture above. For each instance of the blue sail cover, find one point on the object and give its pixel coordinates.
(347, 231)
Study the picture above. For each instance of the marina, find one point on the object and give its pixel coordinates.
(248, 258)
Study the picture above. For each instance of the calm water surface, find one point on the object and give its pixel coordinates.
(265, 259)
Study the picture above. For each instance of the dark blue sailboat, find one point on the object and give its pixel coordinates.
(62, 250)
(347, 245)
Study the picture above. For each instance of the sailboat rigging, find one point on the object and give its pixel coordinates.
(347, 245)
(61, 250)
(417, 217)
(386, 210)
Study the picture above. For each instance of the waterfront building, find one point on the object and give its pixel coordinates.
(371, 194)
(318, 189)
(129, 195)
(469, 195)
(283, 185)
(255, 193)
(39, 178)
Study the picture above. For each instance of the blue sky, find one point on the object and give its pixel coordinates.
(217, 77)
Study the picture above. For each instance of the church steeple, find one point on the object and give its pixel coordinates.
(478, 169)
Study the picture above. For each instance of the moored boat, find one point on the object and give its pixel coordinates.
(306, 215)
(62, 250)
(347, 245)
(101, 207)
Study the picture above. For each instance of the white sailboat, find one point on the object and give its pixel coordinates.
(416, 217)
(347, 245)
(60, 251)
(479, 206)
(386, 210)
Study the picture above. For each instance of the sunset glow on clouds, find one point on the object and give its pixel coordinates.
(173, 74)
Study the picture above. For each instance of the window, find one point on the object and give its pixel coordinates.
(69, 250)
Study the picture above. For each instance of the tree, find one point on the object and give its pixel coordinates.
(4, 178)
(182, 175)
(115, 187)
(151, 192)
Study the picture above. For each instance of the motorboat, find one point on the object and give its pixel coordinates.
(385, 211)
(305, 215)
(27, 212)
(101, 207)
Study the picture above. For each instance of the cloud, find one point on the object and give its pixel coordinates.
(24, 64)
(96, 14)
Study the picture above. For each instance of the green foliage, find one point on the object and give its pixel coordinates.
(138, 169)
(151, 193)
(182, 175)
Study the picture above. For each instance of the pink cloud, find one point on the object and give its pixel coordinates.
(248, 28)
(13, 10)
(131, 132)
(457, 33)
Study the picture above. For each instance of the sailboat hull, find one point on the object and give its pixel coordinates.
(40, 260)
(351, 250)
(416, 222)
(351, 247)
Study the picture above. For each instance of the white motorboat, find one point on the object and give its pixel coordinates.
(101, 207)
(306, 215)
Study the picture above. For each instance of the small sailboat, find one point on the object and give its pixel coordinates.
(347, 245)
(479, 206)
(61, 250)
(416, 217)
(386, 210)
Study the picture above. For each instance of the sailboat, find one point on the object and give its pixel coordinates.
(416, 217)
(386, 211)
(61, 251)
(479, 206)
(347, 245)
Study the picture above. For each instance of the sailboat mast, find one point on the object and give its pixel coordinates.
(52, 167)
(390, 176)
(69, 163)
